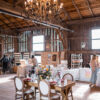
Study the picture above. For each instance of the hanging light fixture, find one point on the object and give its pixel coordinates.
(43, 10)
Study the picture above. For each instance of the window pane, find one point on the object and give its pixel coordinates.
(38, 39)
(38, 47)
(95, 44)
(96, 34)
(38, 59)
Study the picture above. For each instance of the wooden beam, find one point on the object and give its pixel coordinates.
(88, 3)
(8, 7)
(82, 38)
(14, 2)
(82, 21)
(84, 51)
(18, 1)
(31, 28)
(7, 31)
(60, 37)
(79, 38)
(77, 9)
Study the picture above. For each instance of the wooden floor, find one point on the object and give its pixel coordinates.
(81, 91)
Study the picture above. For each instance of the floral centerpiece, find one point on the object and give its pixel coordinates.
(44, 72)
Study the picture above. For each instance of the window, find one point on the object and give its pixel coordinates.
(23, 41)
(96, 39)
(38, 43)
(8, 44)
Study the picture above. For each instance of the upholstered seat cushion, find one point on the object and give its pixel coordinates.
(29, 91)
(26, 92)
(55, 96)
(19, 93)
(53, 91)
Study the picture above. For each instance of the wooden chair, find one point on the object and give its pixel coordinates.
(45, 91)
(68, 77)
(21, 91)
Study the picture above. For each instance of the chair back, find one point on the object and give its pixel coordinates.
(44, 88)
(18, 84)
(68, 76)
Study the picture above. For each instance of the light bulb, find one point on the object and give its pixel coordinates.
(55, 0)
(37, 3)
(50, 11)
(61, 5)
(25, 3)
(26, 8)
(28, 1)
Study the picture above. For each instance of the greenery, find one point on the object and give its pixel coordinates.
(44, 74)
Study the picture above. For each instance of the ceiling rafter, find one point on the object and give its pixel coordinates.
(14, 2)
(9, 20)
(17, 21)
(5, 24)
(29, 24)
(90, 9)
(26, 22)
(82, 21)
(77, 9)
(18, 1)
(15, 27)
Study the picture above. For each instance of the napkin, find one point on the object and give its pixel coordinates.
(27, 79)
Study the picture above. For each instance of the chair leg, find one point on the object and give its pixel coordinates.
(35, 92)
(33, 95)
(71, 94)
(23, 97)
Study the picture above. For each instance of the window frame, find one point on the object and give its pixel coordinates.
(94, 39)
(39, 43)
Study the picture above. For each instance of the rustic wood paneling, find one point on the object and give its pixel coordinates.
(82, 33)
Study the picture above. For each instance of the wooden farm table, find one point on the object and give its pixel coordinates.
(63, 89)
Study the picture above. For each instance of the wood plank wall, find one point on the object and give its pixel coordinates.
(52, 41)
(82, 34)
(24, 44)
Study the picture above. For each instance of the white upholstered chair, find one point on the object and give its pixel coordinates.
(45, 91)
(21, 91)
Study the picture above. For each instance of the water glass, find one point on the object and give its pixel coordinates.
(65, 82)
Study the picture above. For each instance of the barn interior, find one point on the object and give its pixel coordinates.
(62, 35)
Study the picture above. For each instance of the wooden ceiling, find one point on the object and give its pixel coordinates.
(9, 22)
(73, 10)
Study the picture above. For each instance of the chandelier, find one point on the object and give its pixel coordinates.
(43, 10)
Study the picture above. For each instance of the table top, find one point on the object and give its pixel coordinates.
(57, 87)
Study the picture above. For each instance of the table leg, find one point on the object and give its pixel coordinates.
(35, 92)
(63, 95)
(68, 90)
